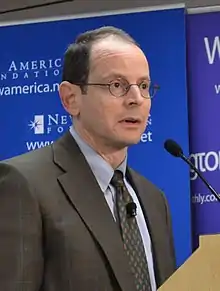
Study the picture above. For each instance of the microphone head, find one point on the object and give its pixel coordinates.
(173, 148)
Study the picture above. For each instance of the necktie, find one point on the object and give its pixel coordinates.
(131, 236)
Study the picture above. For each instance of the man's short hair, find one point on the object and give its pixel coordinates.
(76, 65)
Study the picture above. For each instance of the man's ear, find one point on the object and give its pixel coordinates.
(69, 95)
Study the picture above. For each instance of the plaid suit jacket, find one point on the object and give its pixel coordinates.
(57, 232)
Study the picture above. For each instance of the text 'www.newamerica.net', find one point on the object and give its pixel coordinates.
(34, 88)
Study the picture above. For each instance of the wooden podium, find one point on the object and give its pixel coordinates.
(201, 271)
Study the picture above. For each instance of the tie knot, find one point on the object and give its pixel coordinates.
(117, 179)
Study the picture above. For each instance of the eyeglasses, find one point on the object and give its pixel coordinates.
(119, 88)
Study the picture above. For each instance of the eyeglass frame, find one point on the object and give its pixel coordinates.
(156, 87)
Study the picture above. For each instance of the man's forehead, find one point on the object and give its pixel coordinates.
(109, 49)
(111, 45)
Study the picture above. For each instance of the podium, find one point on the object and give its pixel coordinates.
(201, 271)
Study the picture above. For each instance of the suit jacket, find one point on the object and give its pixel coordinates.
(57, 231)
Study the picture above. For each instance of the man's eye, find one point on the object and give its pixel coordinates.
(117, 84)
(144, 86)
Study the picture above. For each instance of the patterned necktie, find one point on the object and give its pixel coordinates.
(131, 236)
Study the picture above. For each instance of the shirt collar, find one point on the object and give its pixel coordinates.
(100, 168)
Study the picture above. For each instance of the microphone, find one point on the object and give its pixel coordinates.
(175, 150)
(131, 209)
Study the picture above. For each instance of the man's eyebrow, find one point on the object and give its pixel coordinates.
(114, 76)
(121, 76)
(146, 77)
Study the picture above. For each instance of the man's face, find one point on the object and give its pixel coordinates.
(116, 122)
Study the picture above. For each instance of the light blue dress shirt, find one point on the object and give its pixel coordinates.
(104, 173)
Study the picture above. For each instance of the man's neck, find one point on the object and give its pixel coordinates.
(111, 155)
(113, 158)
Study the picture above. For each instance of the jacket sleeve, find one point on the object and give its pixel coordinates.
(21, 256)
(170, 233)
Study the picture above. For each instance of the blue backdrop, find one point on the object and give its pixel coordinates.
(204, 103)
(31, 115)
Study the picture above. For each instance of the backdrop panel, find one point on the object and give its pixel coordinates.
(203, 48)
(32, 116)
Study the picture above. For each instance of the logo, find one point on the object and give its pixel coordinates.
(28, 77)
(212, 48)
(37, 124)
(32, 69)
(50, 123)
(45, 128)
(205, 162)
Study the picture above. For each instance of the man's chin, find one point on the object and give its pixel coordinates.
(130, 141)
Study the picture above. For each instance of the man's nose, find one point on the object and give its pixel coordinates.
(134, 95)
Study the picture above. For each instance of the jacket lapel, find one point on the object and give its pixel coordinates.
(82, 189)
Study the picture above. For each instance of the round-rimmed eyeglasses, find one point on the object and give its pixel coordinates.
(120, 88)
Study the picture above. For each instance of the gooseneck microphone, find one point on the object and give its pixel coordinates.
(175, 150)
(131, 209)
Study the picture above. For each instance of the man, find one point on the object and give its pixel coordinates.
(73, 215)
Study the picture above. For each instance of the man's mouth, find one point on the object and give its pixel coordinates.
(131, 120)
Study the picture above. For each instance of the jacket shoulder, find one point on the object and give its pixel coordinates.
(32, 161)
